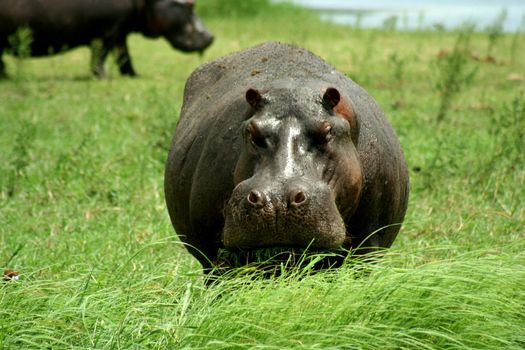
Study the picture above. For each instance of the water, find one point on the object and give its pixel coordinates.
(420, 14)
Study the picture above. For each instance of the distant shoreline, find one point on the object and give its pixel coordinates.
(427, 16)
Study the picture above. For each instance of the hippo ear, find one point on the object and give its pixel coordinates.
(332, 100)
(253, 97)
(331, 97)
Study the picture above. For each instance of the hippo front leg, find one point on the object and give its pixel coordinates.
(99, 52)
(124, 59)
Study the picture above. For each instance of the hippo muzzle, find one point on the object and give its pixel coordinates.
(296, 212)
(193, 37)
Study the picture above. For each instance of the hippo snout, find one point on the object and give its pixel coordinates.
(297, 198)
(195, 37)
(294, 198)
(291, 213)
(205, 41)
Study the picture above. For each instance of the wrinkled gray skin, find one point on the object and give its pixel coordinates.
(58, 25)
(274, 147)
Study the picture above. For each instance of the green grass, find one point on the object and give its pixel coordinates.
(83, 219)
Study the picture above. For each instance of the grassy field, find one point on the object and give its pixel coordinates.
(83, 219)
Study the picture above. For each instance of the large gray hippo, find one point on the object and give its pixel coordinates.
(57, 25)
(276, 148)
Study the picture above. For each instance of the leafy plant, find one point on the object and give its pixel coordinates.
(233, 8)
(358, 22)
(397, 64)
(517, 37)
(495, 31)
(508, 133)
(19, 158)
(454, 72)
(20, 46)
(390, 24)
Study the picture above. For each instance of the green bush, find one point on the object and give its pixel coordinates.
(232, 8)
(236, 9)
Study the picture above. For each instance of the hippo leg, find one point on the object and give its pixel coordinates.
(124, 59)
(99, 52)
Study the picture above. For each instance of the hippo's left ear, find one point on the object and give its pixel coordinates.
(331, 97)
(253, 97)
(333, 101)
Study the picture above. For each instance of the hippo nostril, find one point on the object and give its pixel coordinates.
(255, 198)
(297, 198)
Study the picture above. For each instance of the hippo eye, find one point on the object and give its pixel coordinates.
(254, 135)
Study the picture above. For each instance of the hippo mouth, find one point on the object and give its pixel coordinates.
(189, 44)
(275, 260)
(256, 219)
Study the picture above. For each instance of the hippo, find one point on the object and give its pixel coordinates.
(275, 148)
(58, 25)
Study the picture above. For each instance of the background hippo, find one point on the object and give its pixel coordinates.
(275, 148)
(57, 25)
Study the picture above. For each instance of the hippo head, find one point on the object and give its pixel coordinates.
(298, 175)
(177, 22)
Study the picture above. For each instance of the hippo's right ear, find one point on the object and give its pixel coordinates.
(253, 97)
